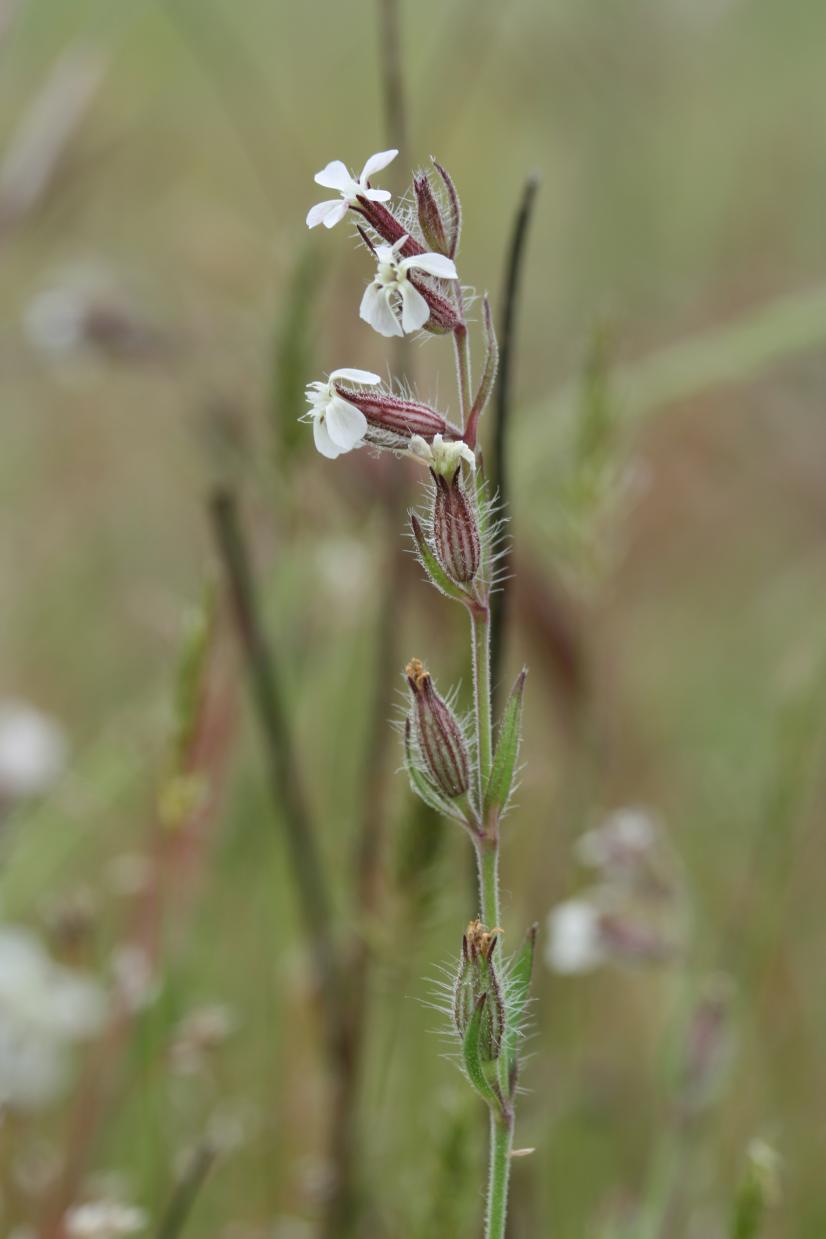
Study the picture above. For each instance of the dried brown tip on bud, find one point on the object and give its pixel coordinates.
(480, 941)
(439, 736)
(456, 539)
(416, 673)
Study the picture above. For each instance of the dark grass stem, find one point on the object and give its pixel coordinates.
(186, 1192)
(287, 791)
(502, 409)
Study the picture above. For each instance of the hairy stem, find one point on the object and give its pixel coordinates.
(487, 856)
(501, 1140)
(461, 345)
(480, 626)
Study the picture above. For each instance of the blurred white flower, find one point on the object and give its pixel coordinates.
(336, 176)
(391, 290)
(104, 1219)
(622, 840)
(203, 1031)
(44, 1007)
(574, 941)
(32, 750)
(442, 455)
(134, 977)
(338, 426)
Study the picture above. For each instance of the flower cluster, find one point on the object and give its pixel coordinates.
(44, 1008)
(632, 913)
(414, 287)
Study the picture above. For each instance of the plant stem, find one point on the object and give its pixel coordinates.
(488, 863)
(480, 623)
(462, 347)
(501, 1140)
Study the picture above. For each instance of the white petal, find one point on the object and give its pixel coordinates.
(323, 441)
(316, 214)
(415, 310)
(375, 164)
(376, 195)
(336, 176)
(356, 376)
(346, 425)
(336, 213)
(433, 264)
(375, 310)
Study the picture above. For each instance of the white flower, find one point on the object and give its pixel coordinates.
(104, 1219)
(391, 288)
(338, 426)
(573, 943)
(43, 1008)
(32, 750)
(442, 455)
(336, 176)
(622, 840)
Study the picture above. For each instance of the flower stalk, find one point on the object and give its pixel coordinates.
(453, 765)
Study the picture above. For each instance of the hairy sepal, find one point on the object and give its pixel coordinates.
(516, 1001)
(419, 782)
(431, 565)
(472, 1053)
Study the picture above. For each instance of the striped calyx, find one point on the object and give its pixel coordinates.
(477, 976)
(455, 530)
(395, 414)
(438, 734)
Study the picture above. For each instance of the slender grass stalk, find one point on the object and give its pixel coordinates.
(186, 1193)
(502, 409)
(288, 794)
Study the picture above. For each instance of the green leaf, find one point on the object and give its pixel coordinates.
(431, 564)
(471, 1051)
(507, 748)
(517, 990)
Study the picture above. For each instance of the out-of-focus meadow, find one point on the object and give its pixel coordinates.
(161, 307)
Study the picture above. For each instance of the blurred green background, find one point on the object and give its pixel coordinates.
(161, 307)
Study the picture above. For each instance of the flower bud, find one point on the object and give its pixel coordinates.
(439, 735)
(430, 217)
(443, 316)
(477, 976)
(455, 530)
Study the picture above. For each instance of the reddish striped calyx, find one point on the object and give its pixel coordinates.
(395, 414)
(439, 735)
(456, 539)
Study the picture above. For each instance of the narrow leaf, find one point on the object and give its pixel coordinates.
(471, 1052)
(431, 565)
(488, 376)
(507, 748)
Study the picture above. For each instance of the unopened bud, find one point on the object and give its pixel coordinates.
(455, 530)
(440, 739)
(430, 216)
(394, 414)
(443, 316)
(477, 976)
